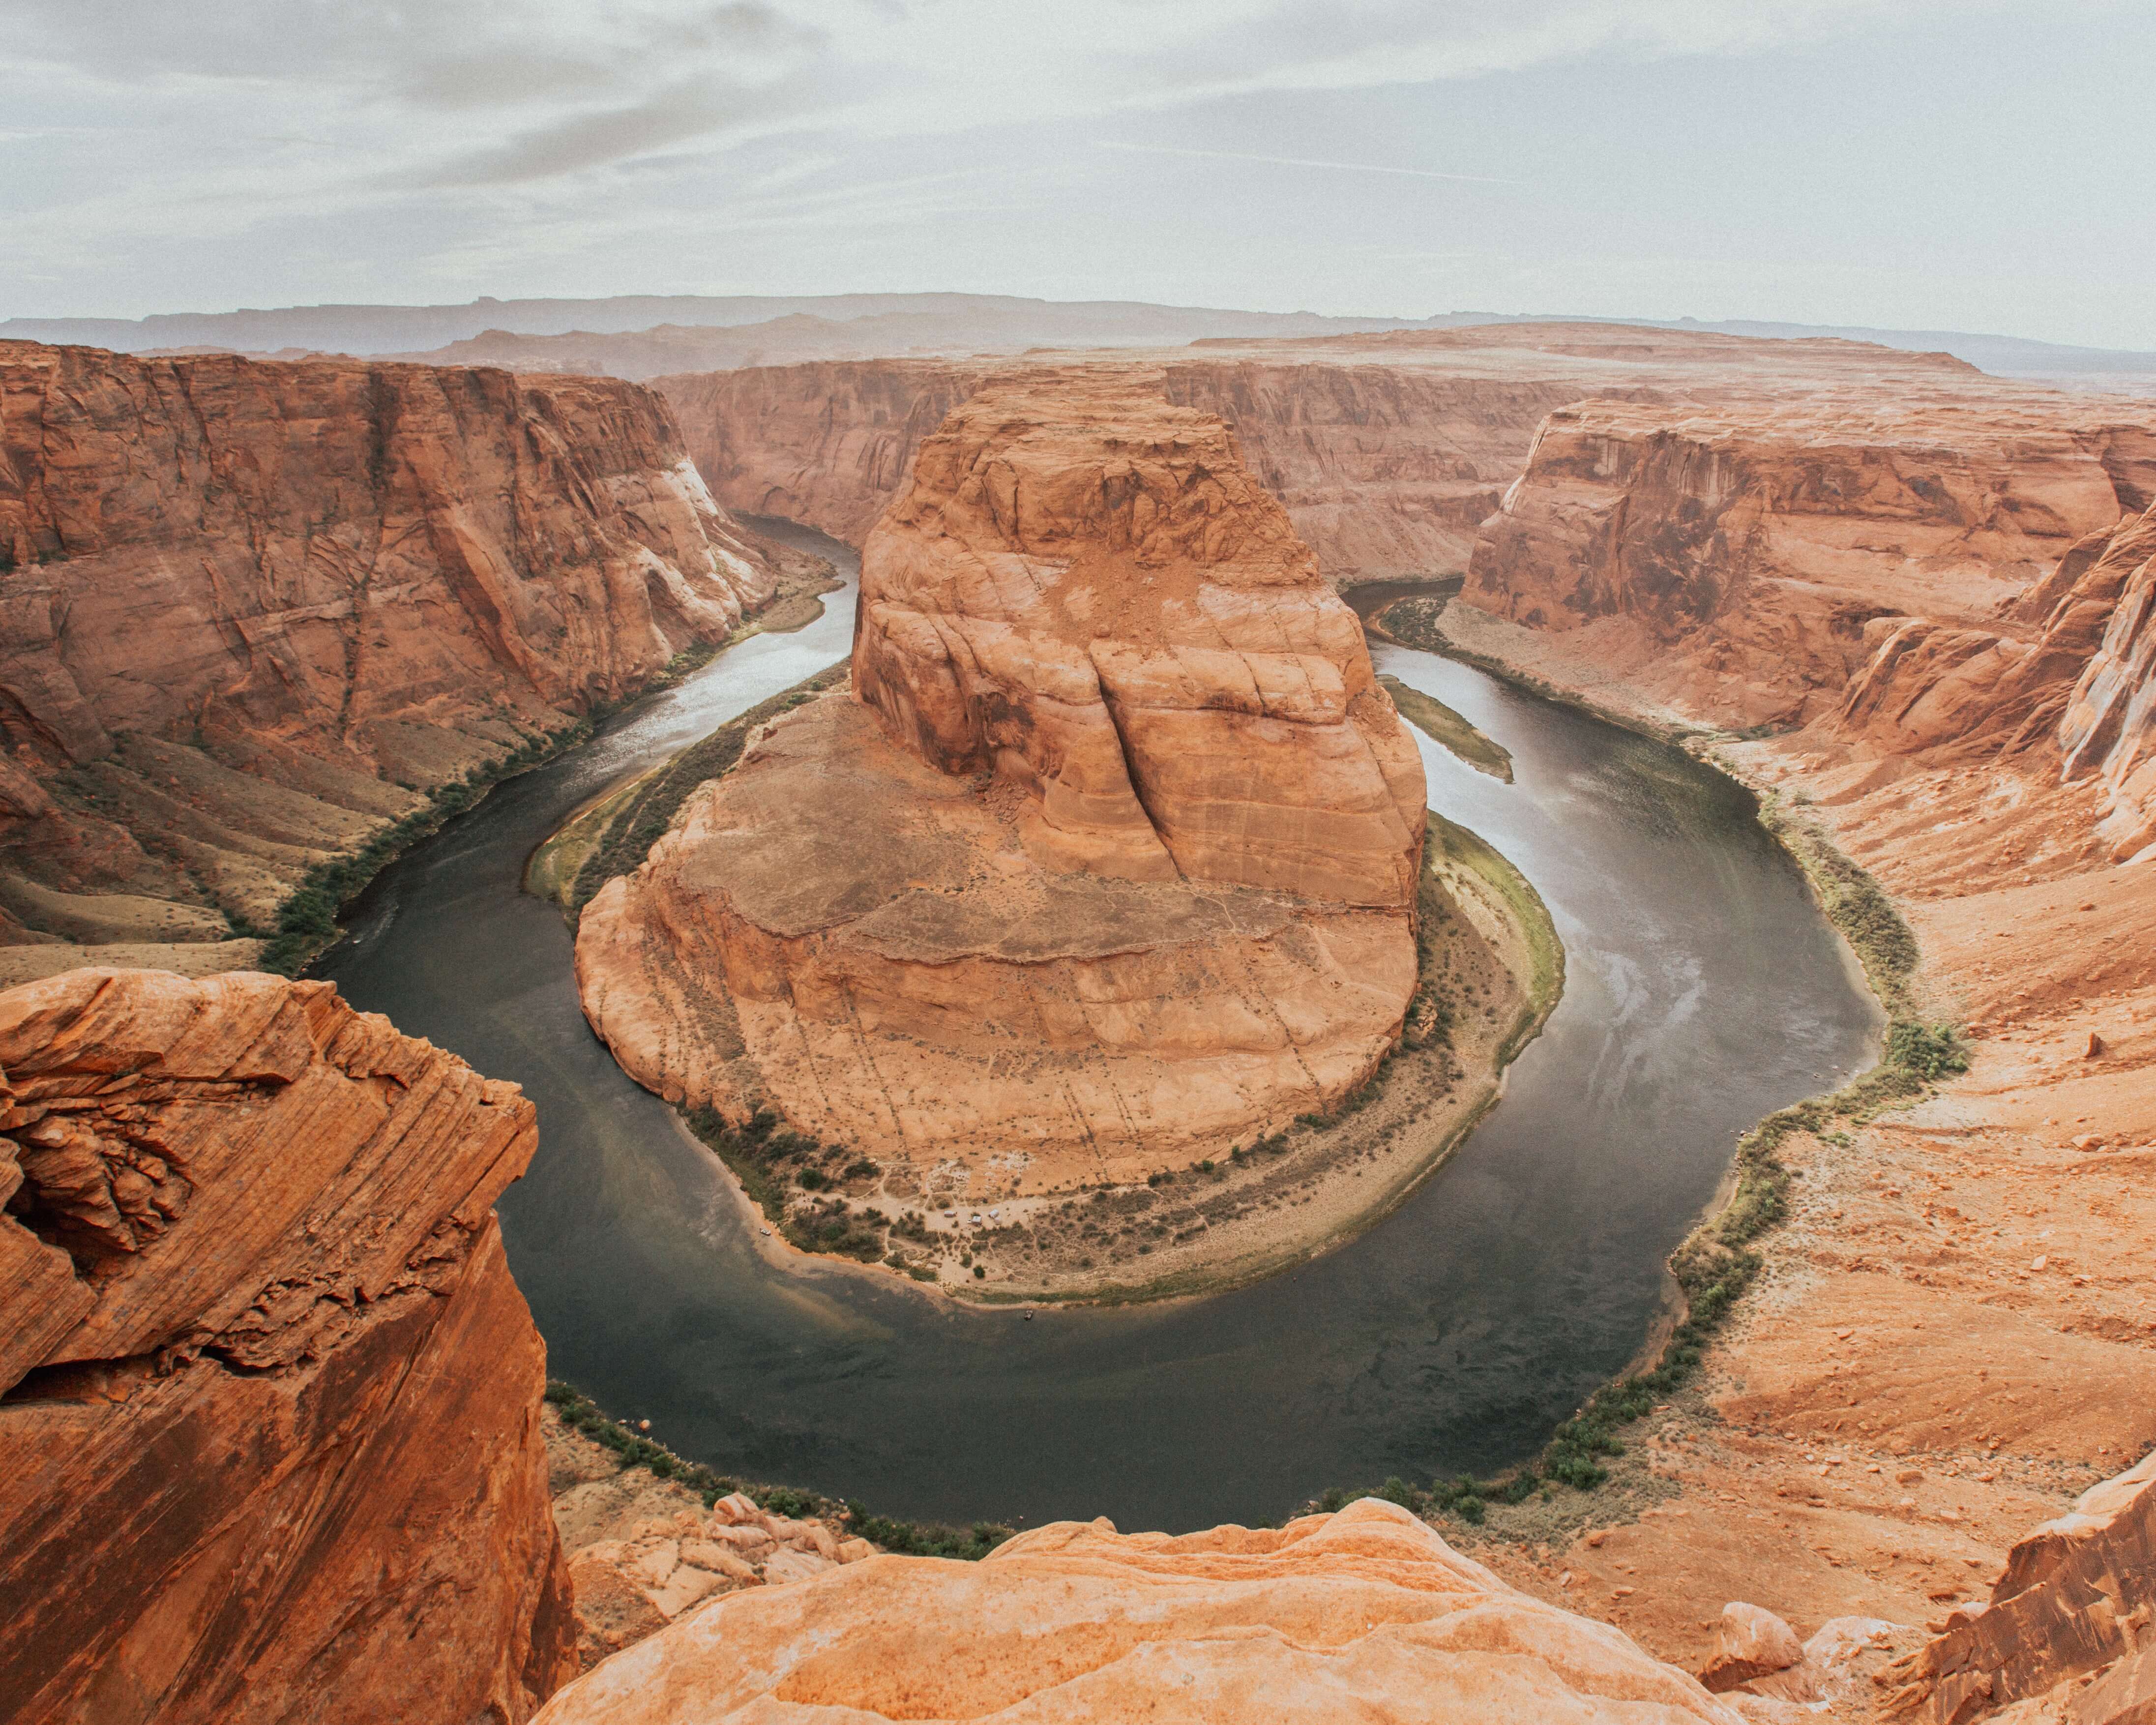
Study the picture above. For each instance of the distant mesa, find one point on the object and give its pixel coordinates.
(1110, 854)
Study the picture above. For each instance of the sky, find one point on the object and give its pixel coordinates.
(1898, 163)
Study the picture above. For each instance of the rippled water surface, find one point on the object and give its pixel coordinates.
(1704, 990)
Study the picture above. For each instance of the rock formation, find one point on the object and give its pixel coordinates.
(1113, 854)
(247, 607)
(270, 1426)
(2077, 1596)
(1367, 1613)
(1750, 544)
(1389, 450)
(2108, 731)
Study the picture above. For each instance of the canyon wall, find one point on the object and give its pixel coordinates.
(1385, 470)
(1111, 854)
(270, 1426)
(1747, 555)
(248, 610)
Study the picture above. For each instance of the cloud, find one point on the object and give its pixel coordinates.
(1358, 167)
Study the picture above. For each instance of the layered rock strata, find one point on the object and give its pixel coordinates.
(1745, 556)
(1389, 450)
(250, 610)
(2077, 1596)
(1112, 853)
(270, 1426)
(1367, 1613)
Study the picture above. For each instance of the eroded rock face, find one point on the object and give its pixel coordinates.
(1113, 855)
(271, 1427)
(1757, 541)
(248, 601)
(2078, 1595)
(1367, 1613)
(2108, 731)
(1088, 593)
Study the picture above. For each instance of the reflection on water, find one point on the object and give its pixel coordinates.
(1703, 990)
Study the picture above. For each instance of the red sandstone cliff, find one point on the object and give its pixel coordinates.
(1114, 854)
(271, 1423)
(244, 606)
(1757, 547)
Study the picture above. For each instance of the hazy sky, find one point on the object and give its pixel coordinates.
(1897, 163)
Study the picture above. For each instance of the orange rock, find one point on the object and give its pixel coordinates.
(1750, 1642)
(1127, 867)
(2075, 1596)
(331, 576)
(2109, 733)
(1365, 1614)
(272, 1437)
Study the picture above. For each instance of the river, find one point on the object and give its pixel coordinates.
(1704, 990)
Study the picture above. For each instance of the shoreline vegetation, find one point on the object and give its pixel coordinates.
(1719, 1261)
(1451, 730)
(1491, 970)
(910, 1538)
(306, 924)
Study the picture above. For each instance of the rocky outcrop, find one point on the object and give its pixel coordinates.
(1113, 854)
(1755, 543)
(1388, 449)
(1367, 1613)
(246, 609)
(2108, 731)
(2078, 1595)
(271, 1415)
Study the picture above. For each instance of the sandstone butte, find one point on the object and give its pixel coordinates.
(1927, 593)
(270, 1433)
(251, 611)
(1109, 855)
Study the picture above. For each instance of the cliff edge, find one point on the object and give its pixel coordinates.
(271, 1424)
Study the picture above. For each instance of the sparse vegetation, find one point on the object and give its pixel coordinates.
(914, 1539)
(1452, 730)
(635, 828)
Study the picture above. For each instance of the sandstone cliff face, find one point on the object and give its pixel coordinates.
(2108, 731)
(1758, 539)
(1114, 854)
(828, 444)
(1367, 1614)
(243, 605)
(271, 1419)
(2077, 1596)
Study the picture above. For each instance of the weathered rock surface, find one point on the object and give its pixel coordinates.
(1113, 855)
(246, 608)
(1750, 1642)
(1388, 450)
(2078, 1595)
(271, 1422)
(1760, 544)
(2108, 731)
(1367, 1613)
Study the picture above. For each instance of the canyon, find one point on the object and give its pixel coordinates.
(1107, 862)
(277, 1396)
(254, 612)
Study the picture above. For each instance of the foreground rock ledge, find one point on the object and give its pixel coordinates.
(1110, 859)
(270, 1433)
(1364, 1615)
